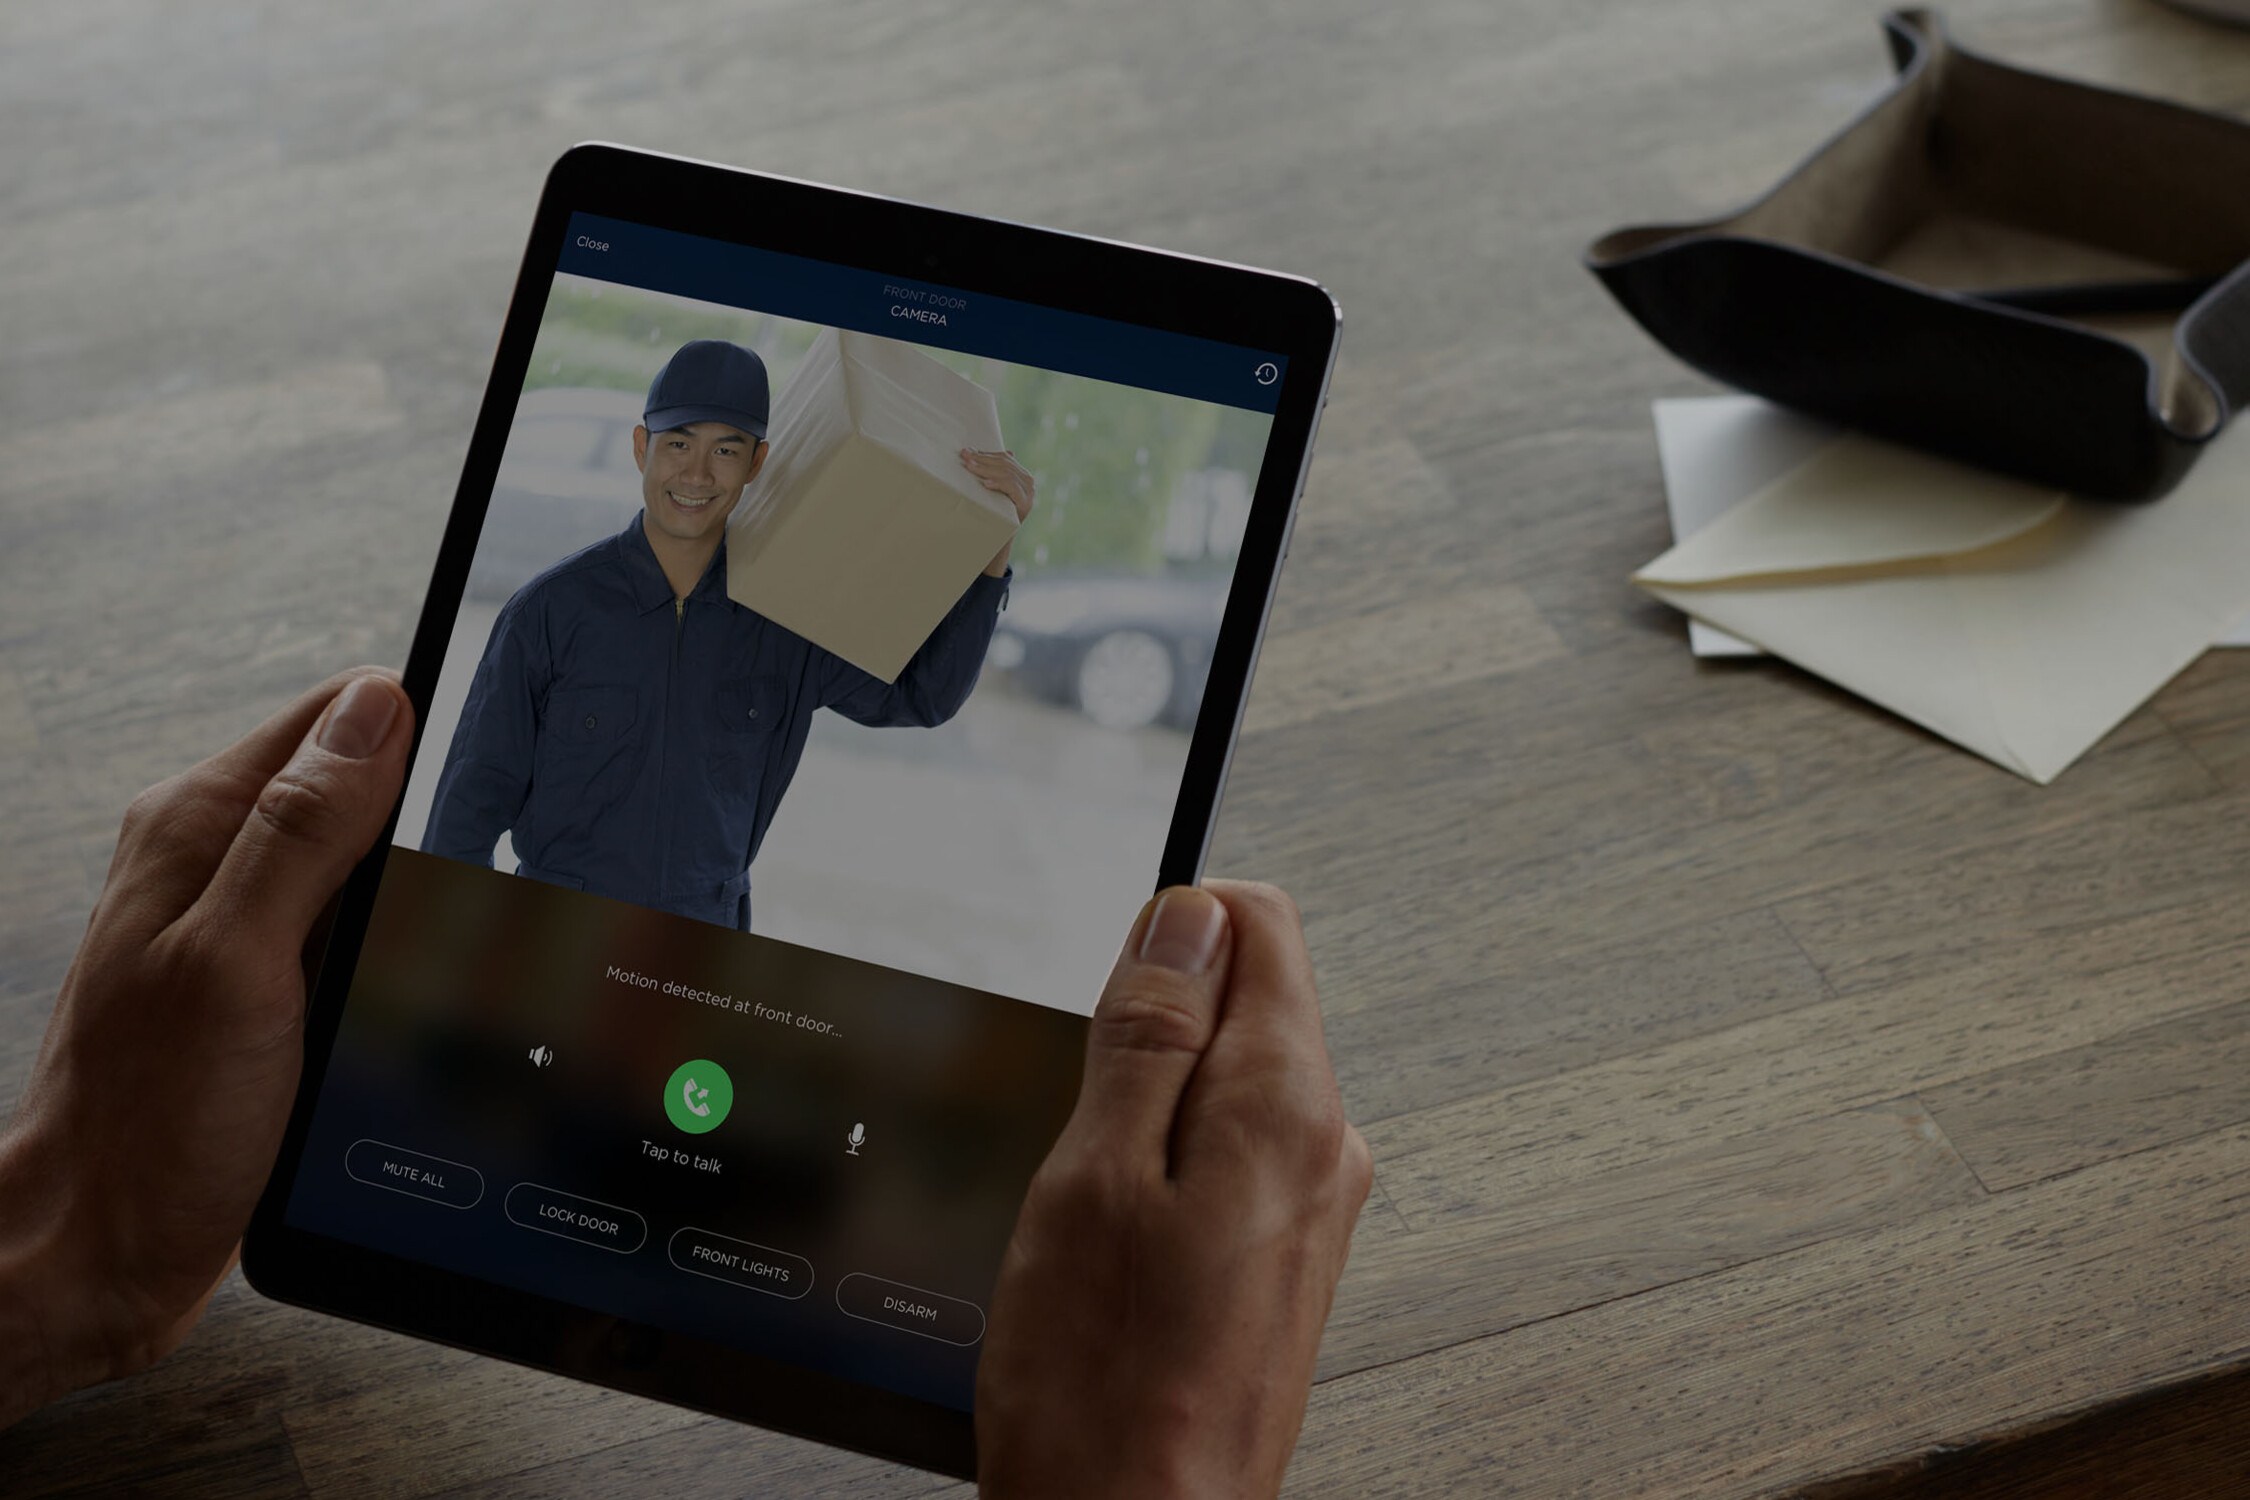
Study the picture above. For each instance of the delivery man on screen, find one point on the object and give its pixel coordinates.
(631, 727)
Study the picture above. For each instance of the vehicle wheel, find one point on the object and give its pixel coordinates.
(1125, 680)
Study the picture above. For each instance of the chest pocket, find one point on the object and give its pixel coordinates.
(745, 712)
(586, 740)
(749, 705)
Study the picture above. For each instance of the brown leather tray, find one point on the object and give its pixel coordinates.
(2039, 276)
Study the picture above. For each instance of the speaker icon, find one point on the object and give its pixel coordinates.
(542, 1056)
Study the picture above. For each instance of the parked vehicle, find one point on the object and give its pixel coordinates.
(1126, 650)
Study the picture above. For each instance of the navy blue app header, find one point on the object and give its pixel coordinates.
(1024, 333)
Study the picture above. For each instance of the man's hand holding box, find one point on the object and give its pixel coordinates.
(886, 493)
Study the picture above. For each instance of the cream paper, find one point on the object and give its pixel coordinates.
(863, 528)
(1718, 451)
(2020, 624)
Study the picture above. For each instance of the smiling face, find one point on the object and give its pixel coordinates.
(693, 476)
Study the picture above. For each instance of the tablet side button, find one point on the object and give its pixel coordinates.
(414, 1173)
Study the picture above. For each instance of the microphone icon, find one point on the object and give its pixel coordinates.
(855, 1140)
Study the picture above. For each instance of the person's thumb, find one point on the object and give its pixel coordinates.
(1152, 1025)
(314, 819)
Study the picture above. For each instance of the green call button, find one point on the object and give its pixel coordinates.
(698, 1096)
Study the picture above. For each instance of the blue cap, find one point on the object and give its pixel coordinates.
(709, 380)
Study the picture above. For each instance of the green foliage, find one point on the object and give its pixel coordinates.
(1106, 457)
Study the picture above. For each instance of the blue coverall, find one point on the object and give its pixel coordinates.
(636, 746)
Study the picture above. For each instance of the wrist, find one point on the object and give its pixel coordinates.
(1160, 1454)
(1144, 1480)
(50, 1334)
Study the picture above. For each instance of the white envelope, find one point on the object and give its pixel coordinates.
(2017, 622)
(1718, 451)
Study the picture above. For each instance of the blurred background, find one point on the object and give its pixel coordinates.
(998, 849)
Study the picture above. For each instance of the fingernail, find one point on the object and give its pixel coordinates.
(360, 719)
(1184, 930)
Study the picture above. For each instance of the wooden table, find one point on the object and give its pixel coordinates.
(1763, 1090)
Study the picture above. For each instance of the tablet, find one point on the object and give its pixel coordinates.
(782, 788)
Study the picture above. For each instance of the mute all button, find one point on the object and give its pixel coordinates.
(414, 1173)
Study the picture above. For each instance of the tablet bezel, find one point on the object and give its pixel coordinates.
(1176, 293)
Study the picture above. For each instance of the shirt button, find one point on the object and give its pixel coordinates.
(753, 713)
(589, 721)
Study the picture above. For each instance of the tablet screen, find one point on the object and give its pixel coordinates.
(729, 969)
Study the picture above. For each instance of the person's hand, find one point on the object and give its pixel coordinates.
(1001, 474)
(1160, 1306)
(158, 1100)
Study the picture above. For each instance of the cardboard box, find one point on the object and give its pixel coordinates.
(863, 528)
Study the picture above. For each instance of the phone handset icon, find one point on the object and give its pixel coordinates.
(698, 1095)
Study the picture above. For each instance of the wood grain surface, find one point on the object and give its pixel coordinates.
(1763, 1092)
(2183, 1440)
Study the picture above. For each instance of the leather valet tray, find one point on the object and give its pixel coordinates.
(2037, 276)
